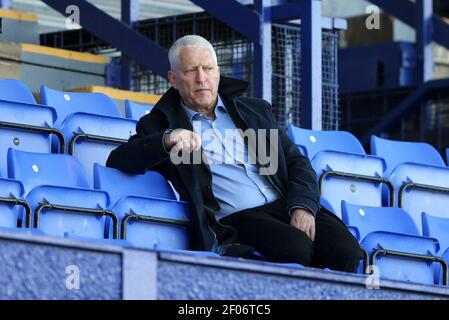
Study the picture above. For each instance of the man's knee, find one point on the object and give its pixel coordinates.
(297, 252)
(349, 254)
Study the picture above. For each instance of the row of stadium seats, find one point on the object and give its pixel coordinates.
(75, 196)
(411, 233)
(86, 124)
(58, 199)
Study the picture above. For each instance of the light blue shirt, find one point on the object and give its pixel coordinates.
(236, 182)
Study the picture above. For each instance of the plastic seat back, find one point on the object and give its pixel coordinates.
(66, 103)
(35, 169)
(119, 184)
(315, 141)
(18, 110)
(414, 200)
(135, 110)
(15, 90)
(337, 188)
(397, 152)
(82, 128)
(369, 219)
(436, 227)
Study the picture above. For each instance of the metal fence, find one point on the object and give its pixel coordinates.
(235, 57)
(286, 64)
(234, 52)
(429, 123)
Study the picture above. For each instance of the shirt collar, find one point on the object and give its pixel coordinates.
(219, 107)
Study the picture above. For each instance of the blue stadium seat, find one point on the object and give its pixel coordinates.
(91, 138)
(419, 176)
(421, 188)
(14, 90)
(24, 125)
(314, 141)
(135, 110)
(150, 184)
(344, 170)
(150, 216)
(66, 103)
(438, 228)
(11, 195)
(397, 152)
(393, 243)
(95, 127)
(59, 192)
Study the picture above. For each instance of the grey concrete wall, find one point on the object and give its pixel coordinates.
(39, 267)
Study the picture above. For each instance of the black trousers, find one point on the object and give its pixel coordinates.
(267, 228)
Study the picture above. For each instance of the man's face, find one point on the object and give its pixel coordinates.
(196, 78)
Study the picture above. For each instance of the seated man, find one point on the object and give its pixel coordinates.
(212, 144)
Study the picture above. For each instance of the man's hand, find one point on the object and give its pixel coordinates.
(182, 139)
(303, 220)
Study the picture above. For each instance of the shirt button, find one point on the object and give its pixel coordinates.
(263, 189)
(224, 140)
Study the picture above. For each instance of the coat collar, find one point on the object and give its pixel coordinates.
(169, 104)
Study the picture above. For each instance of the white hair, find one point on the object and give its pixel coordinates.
(189, 41)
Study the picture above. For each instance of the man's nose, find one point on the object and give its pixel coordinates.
(200, 75)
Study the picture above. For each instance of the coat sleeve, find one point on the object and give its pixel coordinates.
(144, 150)
(302, 187)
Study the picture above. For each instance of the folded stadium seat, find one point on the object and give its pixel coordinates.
(24, 125)
(419, 175)
(437, 227)
(91, 123)
(393, 243)
(135, 110)
(60, 195)
(344, 170)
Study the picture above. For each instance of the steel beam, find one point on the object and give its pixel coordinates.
(129, 15)
(285, 12)
(424, 53)
(262, 53)
(404, 10)
(235, 15)
(311, 65)
(406, 106)
(130, 11)
(134, 45)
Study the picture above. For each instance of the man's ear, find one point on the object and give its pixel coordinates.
(172, 79)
